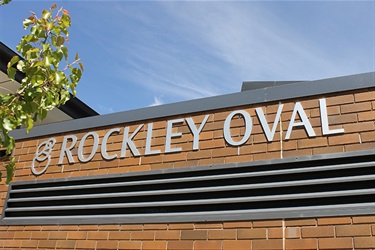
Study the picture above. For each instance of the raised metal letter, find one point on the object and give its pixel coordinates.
(95, 137)
(169, 135)
(248, 127)
(324, 119)
(263, 121)
(304, 121)
(65, 150)
(103, 148)
(196, 131)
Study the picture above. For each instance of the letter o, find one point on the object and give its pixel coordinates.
(248, 127)
(94, 147)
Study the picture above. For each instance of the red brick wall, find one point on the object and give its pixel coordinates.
(353, 111)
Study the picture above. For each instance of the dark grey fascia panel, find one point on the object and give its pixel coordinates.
(249, 86)
(274, 93)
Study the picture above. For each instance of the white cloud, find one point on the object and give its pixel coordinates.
(157, 102)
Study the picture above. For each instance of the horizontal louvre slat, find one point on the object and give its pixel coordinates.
(298, 212)
(337, 184)
(200, 178)
(200, 190)
(201, 202)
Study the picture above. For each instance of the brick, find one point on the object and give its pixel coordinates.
(239, 158)
(343, 139)
(222, 152)
(328, 150)
(7, 235)
(131, 227)
(10, 243)
(97, 235)
(193, 234)
(213, 161)
(22, 235)
(363, 146)
(86, 244)
(39, 235)
(28, 244)
(266, 156)
(108, 227)
(334, 221)
(88, 227)
(359, 127)
(355, 107)
(76, 235)
(335, 243)
(208, 225)
(318, 232)
(142, 235)
(181, 226)
(267, 244)
(65, 244)
(238, 224)
(106, 245)
(47, 244)
(301, 244)
(128, 245)
(364, 219)
(312, 143)
(275, 233)
(300, 222)
(292, 232)
(183, 164)
(267, 223)
(257, 233)
(366, 116)
(68, 228)
(237, 244)
(368, 136)
(296, 153)
(59, 235)
(341, 119)
(123, 235)
(204, 245)
(353, 230)
(341, 99)
(364, 242)
(179, 245)
(365, 96)
(154, 245)
(222, 234)
(167, 235)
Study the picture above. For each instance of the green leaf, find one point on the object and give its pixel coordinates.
(65, 51)
(30, 124)
(13, 61)
(48, 61)
(10, 170)
(46, 14)
(8, 124)
(42, 114)
(11, 73)
(60, 41)
(27, 22)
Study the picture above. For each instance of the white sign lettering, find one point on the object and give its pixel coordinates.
(86, 153)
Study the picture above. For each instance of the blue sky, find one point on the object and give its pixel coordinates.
(142, 53)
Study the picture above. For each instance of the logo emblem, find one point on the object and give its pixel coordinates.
(43, 152)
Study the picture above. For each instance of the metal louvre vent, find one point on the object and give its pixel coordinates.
(329, 185)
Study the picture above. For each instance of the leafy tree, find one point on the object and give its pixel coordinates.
(49, 77)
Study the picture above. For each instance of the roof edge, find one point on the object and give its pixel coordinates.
(274, 93)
